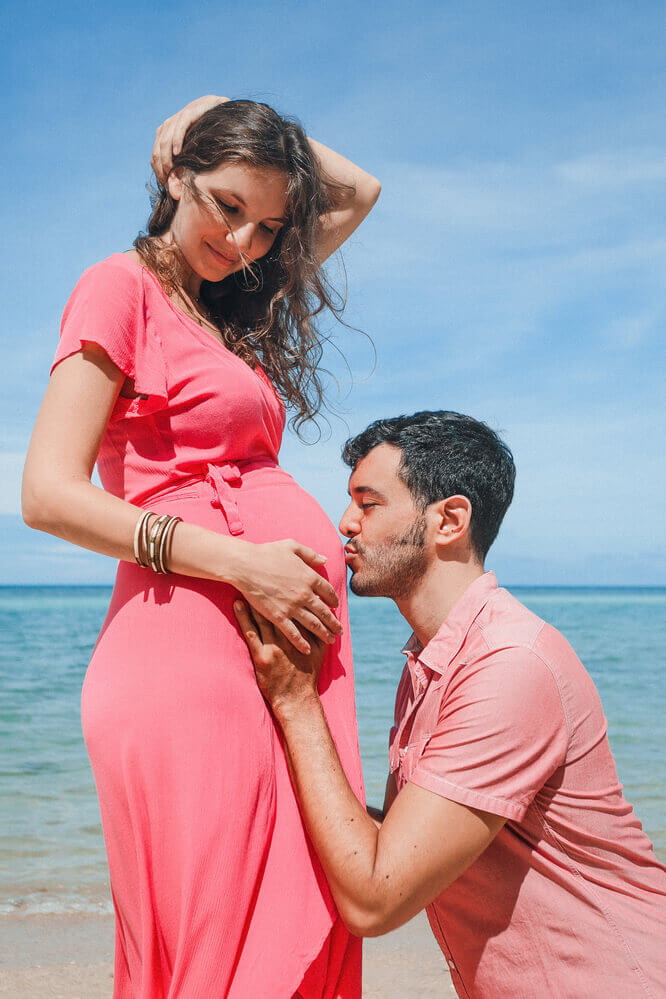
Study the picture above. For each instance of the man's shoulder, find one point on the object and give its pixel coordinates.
(507, 626)
(505, 623)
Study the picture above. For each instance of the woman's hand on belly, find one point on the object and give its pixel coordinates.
(279, 580)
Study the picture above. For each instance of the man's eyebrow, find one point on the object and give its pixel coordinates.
(226, 191)
(368, 489)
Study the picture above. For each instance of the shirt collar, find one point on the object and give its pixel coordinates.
(445, 645)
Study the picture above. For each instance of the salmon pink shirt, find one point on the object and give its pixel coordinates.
(568, 901)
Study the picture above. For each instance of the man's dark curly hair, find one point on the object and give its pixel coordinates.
(447, 454)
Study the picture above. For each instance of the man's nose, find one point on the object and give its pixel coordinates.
(349, 525)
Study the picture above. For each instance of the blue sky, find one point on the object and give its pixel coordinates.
(513, 268)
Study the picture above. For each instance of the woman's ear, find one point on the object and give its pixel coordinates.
(175, 185)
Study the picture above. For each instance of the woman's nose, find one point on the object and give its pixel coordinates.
(244, 235)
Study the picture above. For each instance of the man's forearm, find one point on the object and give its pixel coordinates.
(343, 834)
(381, 874)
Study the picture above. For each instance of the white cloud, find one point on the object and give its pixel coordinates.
(489, 254)
(628, 168)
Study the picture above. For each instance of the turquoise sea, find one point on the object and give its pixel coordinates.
(51, 849)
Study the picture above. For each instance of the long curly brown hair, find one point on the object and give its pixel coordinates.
(266, 312)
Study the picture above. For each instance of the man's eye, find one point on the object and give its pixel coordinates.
(366, 506)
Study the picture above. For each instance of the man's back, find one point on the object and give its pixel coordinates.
(497, 713)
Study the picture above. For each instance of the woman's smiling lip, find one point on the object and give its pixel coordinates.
(220, 256)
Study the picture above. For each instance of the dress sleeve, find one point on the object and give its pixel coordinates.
(107, 308)
(501, 735)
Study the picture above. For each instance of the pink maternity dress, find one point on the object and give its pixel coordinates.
(216, 889)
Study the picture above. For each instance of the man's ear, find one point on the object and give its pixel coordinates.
(453, 519)
(175, 185)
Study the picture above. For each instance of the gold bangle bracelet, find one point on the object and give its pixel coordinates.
(168, 531)
(155, 530)
(144, 541)
(151, 540)
(138, 534)
(157, 548)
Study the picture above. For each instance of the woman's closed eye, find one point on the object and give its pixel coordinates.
(234, 209)
(229, 209)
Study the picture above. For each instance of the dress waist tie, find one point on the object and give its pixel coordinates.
(222, 478)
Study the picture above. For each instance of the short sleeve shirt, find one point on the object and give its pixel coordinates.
(497, 713)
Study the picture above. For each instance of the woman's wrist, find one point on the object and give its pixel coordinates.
(227, 559)
(233, 561)
(200, 552)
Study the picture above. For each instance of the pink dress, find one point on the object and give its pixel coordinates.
(216, 889)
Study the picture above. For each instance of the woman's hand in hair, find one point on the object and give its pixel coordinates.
(169, 136)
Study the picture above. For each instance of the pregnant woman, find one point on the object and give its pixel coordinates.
(175, 364)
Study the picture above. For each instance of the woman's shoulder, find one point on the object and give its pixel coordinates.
(115, 284)
(119, 270)
(107, 307)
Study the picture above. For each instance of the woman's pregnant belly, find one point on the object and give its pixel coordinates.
(170, 663)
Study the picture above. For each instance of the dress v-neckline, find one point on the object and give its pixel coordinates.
(202, 332)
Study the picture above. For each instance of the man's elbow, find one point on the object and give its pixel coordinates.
(365, 920)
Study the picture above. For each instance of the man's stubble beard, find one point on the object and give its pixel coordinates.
(393, 568)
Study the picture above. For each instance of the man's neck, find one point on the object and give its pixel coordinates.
(431, 602)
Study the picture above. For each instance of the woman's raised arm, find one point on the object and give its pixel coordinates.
(58, 497)
(337, 225)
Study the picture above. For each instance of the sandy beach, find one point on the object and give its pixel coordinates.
(71, 957)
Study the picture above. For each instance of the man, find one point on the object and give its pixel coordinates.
(503, 811)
